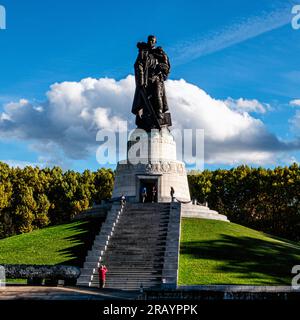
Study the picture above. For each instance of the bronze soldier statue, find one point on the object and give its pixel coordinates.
(152, 68)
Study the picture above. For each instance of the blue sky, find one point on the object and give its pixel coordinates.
(237, 49)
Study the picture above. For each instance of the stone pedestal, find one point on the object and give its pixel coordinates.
(151, 160)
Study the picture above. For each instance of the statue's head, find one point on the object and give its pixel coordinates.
(151, 41)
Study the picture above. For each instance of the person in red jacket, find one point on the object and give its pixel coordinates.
(102, 275)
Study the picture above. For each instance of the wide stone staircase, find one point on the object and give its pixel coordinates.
(95, 255)
(135, 252)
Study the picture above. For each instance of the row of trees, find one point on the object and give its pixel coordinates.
(264, 199)
(32, 198)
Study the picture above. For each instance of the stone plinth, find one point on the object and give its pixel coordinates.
(151, 160)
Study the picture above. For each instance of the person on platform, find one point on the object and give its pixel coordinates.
(172, 192)
(153, 193)
(144, 194)
(102, 275)
(123, 199)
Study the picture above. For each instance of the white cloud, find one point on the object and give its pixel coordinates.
(64, 127)
(245, 105)
(295, 103)
(231, 136)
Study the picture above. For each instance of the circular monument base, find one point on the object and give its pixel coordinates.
(131, 179)
(151, 162)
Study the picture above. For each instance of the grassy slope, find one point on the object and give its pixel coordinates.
(216, 252)
(63, 244)
(212, 252)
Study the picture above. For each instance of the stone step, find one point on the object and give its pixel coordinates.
(136, 246)
(87, 271)
(142, 225)
(128, 273)
(145, 251)
(132, 259)
(86, 278)
(126, 287)
(120, 243)
(124, 283)
(92, 259)
(125, 278)
(129, 243)
(147, 205)
(132, 263)
(143, 232)
(137, 269)
(140, 232)
(147, 211)
(138, 238)
(146, 208)
(89, 265)
(139, 255)
(100, 245)
(132, 286)
(141, 220)
(149, 215)
(154, 232)
(139, 244)
(114, 263)
(123, 249)
(83, 283)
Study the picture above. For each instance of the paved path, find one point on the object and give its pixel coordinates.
(238, 288)
(63, 293)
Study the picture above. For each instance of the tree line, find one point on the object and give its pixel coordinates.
(32, 198)
(263, 199)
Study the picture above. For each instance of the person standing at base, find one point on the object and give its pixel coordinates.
(144, 194)
(123, 199)
(153, 193)
(172, 192)
(102, 275)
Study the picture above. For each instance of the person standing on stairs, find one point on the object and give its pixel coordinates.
(102, 275)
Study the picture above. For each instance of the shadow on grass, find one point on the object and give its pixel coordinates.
(247, 256)
(84, 237)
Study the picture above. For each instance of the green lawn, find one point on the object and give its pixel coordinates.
(216, 252)
(212, 252)
(63, 244)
